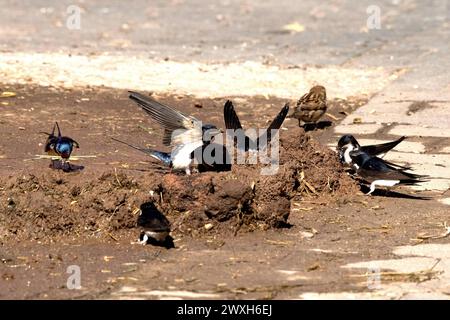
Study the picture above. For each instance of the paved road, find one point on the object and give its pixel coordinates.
(225, 30)
(247, 48)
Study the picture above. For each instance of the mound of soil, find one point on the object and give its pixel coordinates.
(55, 205)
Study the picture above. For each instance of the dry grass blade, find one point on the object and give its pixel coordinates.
(310, 187)
(279, 243)
(117, 178)
(74, 158)
(112, 237)
(332, 117)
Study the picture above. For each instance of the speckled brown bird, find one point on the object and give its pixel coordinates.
(311, 107)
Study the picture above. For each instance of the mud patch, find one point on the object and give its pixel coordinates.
(58, 205)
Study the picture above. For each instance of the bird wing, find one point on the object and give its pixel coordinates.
(151, 218)
(397, 165)
(374, 150)
(311, 101)
(166, 116)
(377, 169)
(230, 116)
(274, 125)
(232, 122)
(278, 120)
(187, 136)
(71, 141)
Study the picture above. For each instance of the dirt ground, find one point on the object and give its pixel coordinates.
(251, 237)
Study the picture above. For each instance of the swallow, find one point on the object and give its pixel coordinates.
(203, 164)
(232, 122)
(59, 145)
(154, 226)
(311, 106)
(182, 132)
(348, 143)
(379, 172)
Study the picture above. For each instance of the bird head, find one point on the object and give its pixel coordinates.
(347, 139)
(319, 92)
(345, 142)
(209, 131)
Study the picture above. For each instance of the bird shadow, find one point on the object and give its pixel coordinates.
(167, 243)
(319, 125)
(393, 194)
(66, 167)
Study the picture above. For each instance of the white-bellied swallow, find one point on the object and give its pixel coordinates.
(218, 152)
(348, 143)
(232, 122)
(311, 106)
(182, 132)
(378, 172)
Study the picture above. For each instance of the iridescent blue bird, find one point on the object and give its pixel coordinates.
(58, 145)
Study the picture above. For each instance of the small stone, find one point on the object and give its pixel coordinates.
(209, 226)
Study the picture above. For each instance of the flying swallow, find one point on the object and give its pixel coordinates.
(379, 172)
(58, 145)
(348, 143)
(154, 226)
(311, 106)
(232, 122)
(182, 132)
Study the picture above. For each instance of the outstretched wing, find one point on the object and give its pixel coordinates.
(378, 169)
(377, 149)
(275, 125)
(166, 116)
(232, 123)
(230, 116)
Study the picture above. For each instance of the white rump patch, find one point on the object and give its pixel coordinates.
(383, 183)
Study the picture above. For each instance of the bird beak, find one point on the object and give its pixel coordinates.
(214, 132)
(211, 133)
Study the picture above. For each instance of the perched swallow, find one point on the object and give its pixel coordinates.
(153, 224)
(232, 122)
(59, 145)
(379, 172)
(311, 106)
(184, 133)
(348, 143)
